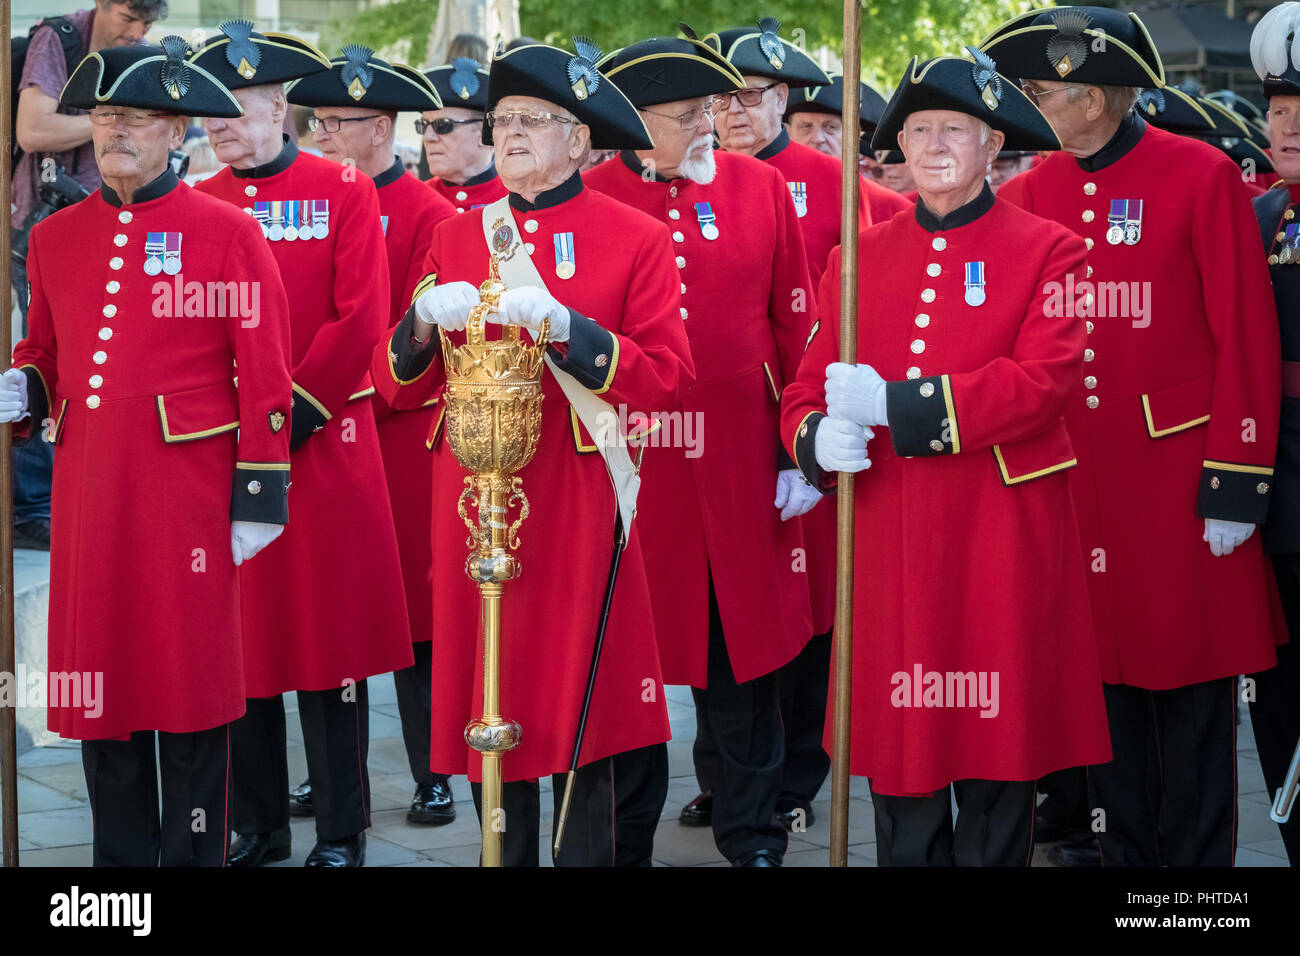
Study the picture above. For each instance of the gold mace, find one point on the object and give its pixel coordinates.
(844, 516)
(494, 421)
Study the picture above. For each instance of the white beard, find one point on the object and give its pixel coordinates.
(701, 170)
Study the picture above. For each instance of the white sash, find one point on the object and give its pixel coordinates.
(597, 416)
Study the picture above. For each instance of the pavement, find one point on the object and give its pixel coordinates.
(54, 817)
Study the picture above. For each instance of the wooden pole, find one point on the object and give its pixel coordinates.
(848, 353)
(8, 715)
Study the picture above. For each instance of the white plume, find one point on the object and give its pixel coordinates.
(1270, 50)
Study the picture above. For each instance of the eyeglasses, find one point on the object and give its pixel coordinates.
(441, 126)
(134, 118)
(691, 118)
(333, 124)
(1040, 94)
(750, 97)
(531, 119)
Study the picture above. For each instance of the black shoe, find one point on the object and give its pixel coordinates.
(760, 858)
(433, 804)
(699, 812)
(300, 802)
(350, 851)
(254, 849)
(788, 817)
(1048, 829)
(32, 533)
(1085, 853)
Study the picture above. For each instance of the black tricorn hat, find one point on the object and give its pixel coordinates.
(1173, 110)
(240, 57)
(359, 78)
(830, 99)
(148, 78)
(1273, 52)
(885, 157)
(666, 69)
(1093, 45)
(1239, 104)
(972, 87)
(572, 82)
(760, 52)
(463, 82)
(1230, 124)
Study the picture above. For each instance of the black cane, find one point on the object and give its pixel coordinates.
(591, 679)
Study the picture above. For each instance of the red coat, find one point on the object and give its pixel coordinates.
(410, 212)
(966, 554)
(135, 389)
(819, 177)
(632, 351)
(884, 203)
(479, 191)
(323, 603)
(707, 509)
(1162, 433)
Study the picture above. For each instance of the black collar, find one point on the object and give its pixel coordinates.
(153, 190)
(771, 149)
(552, 197)
(631, 162)
(961, 216)
(288, 154)
(1131, 128)
(486, 176)
(390, 175)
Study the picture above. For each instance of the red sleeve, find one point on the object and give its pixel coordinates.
(1245, 406)
(405, 373)
(38, 353)
(340, 352)
(262, 350)
(803, 403)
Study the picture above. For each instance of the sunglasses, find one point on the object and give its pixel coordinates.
(442, 126)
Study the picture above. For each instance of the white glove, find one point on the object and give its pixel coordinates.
(842, 445)
(13, 395)
(447, 306)
(794, 496)
(528, 306)
(249, 537)
(1223, 536)
(855, 393)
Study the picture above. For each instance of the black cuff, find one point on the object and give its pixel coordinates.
(305, 419)
(783, 460)
(592, 354)
(1231, 494)
(38, 408)
(406, 360)
(922, 421)
(805, 454)
(260, 493)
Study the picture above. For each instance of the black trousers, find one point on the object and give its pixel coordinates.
(336, 736)
(1169, 796)
(122, 781)
(803, 686)
(994, 826)
(414, 703)
(616, 805)
(1067, 797)
(739, 751)
(1275, 711)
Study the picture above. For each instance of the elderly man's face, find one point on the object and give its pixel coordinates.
(747, 129)
(821, 131)
(944, 151)
(360, 132)
(1068, 117)
(460, 154)
(236, 140)
(532, 157)
(681, 150)
(133, 144)
(1284, 136)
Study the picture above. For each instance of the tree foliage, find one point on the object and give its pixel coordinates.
(893, 30)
